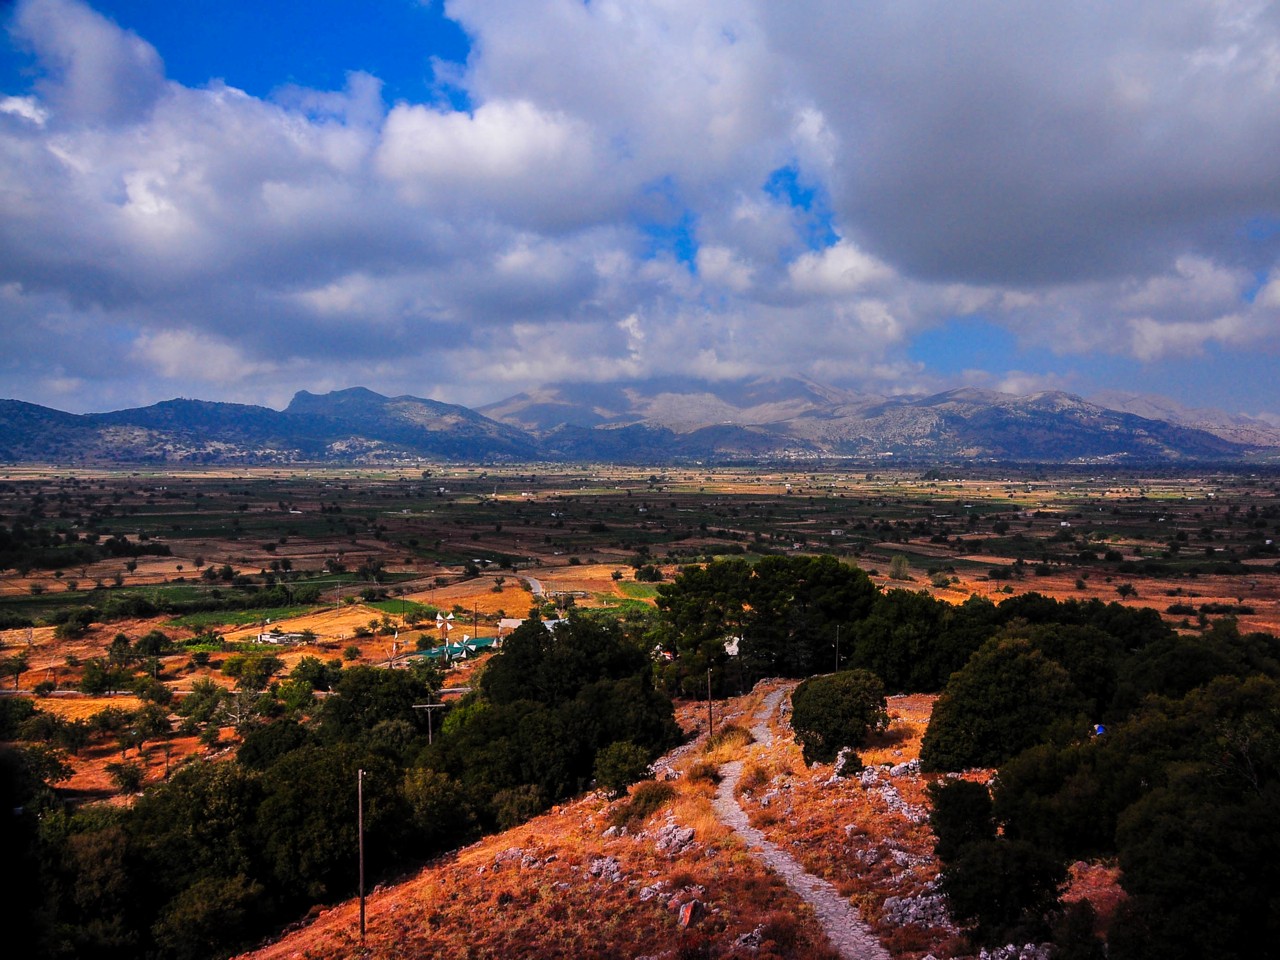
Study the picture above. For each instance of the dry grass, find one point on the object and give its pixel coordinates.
(531, 892)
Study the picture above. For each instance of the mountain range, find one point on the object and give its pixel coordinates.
(651, 421)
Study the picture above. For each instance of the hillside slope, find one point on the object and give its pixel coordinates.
(567, 885)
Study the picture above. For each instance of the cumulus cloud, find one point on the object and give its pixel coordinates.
(1153, 340)
(841, 269)
(642, 188)
(97, 73)
(188, 355)
(508, 159)
(1031, 144)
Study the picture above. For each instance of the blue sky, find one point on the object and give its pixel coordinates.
(462, 200)
(261, 47)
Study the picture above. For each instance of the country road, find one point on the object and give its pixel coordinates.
(840, 920)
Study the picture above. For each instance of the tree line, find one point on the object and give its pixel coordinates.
(223, 852)
(1114, 736)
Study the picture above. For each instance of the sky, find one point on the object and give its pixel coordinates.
(460, 200)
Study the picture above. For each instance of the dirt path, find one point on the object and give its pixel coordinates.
(843, 926)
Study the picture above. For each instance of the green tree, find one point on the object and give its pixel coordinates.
(439, 810)
(201, 705)
(252, 671)
(621, 764)
(366, 696)
(200, 821)
(1007, 698)
(317, 674)
(126, 776)
(264, 744)
(14, 711)
(905, 640)
(783, 610)
(840, 710)
(14, 666)
(100, 677)
(1003, 889)
(153, 644)
(307, 823)
(960, 813)
(209, 918)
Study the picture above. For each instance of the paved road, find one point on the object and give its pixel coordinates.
(841, 921)
(534, 584)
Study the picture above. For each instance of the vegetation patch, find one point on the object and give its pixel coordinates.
(646, 799)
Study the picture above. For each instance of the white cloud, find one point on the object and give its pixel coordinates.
(28, 108)
(842, 269)
(1154, 340)
(1195, 283)
(1098, 180)
(187, 355)
(99, 73)
(508, 160)
(721, 267)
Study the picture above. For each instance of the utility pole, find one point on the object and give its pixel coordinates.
(360, 832)
(711, 726)
(428, 707)
(837, 648)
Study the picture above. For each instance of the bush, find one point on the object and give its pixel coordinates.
(1005, 699)
(514, 806)
(1002, 889)
(646, 800)
(704, 770)
(438, 808)
(204, 919)
(960, 813)
(730, 735)
(76, 623)
(621, 764)
(836, 711)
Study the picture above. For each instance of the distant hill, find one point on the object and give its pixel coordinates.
(796, 417)
(1229, 426)
(666, 420)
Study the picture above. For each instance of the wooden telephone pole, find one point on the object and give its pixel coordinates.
(360, 833)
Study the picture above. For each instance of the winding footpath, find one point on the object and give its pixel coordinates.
(840, 920)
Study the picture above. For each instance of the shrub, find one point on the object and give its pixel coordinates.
(836, 711)
(704, 770)
(960, 814)
(621, 764)
(1002, 889)
(646, 800)
(514, 806)
(1004, 700)
(730, 735)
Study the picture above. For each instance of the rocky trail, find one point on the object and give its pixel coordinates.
(839, 919)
